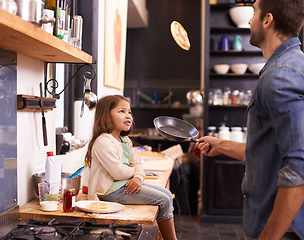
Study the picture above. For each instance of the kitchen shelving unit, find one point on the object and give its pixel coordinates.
(222, 175)
(27, 38)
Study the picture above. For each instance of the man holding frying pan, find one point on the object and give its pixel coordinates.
(273, 185)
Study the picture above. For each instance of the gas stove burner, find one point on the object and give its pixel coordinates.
(36, 230)
(107, 235)
(44, 230)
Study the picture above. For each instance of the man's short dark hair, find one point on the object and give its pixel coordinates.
(288, 15)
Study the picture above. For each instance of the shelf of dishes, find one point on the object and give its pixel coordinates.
(238, 68)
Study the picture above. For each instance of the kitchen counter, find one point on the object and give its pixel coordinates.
(161, 165)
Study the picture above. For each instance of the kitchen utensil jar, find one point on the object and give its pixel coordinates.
(9, 5)
(32, 11)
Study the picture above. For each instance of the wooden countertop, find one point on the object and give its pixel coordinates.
(143, 214)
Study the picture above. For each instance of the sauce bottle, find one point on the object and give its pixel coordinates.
(69, 198)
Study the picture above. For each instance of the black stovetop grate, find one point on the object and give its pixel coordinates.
(85, 230)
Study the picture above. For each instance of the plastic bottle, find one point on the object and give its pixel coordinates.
(236, 134)
(69, 198)
(224, 133)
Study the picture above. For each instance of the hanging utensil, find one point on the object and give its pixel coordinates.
(175, 129)
(180, 35)
(89, 98)
(45, 141)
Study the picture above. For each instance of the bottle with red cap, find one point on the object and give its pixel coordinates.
(52, 168)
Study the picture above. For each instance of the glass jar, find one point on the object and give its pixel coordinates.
(226, 96)
(69, 198)
(234, 97)
(210, 97)
(211, 131)
(241, 97)
(218, 97)
(247, 97)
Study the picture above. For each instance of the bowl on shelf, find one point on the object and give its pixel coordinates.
(241, 15)
(256, 67)
(221, 68)
(239, 68)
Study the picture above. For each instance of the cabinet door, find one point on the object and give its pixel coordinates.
(8, 130)
(223, 178)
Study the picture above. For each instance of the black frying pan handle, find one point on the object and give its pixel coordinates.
(193, 140)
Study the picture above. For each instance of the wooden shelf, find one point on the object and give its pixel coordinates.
(233, 75)
(229, 30)
(235, 53)
(160, 106)
(24, 37)
(228, 106)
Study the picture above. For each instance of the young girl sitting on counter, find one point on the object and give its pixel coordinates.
(116, 175)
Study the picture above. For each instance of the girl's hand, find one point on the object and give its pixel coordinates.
(133, 185)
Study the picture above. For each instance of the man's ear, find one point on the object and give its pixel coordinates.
(268, 21)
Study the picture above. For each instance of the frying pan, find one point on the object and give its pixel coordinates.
(175, 129)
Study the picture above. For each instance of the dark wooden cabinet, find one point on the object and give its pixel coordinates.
(222, 193)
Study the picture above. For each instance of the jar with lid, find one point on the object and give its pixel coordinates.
(210, 97)
(247, 97)
(226, 96)
(69, 198)
(224, 133)
(241, 97)
(211, 131)
(218, 97)
(234, 97)
(236, 134)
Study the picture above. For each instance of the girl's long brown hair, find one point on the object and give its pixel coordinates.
(103, 121)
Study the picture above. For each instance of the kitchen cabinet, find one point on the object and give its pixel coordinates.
(222, 176)
(24, 37)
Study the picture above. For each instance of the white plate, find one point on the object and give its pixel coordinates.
(112, 207)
